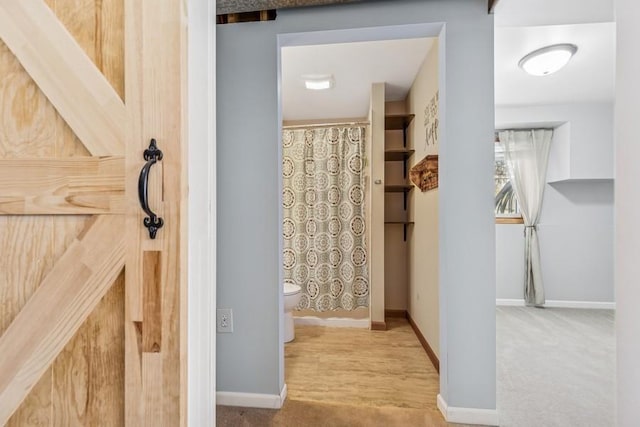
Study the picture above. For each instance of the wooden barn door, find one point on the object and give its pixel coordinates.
(92, 310)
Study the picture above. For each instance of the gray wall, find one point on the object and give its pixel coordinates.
(247, 207)
(576, 225)
(627, 195)
(583, 149)
(248, 195)
(576, 245)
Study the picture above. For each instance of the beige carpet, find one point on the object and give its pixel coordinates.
(556, 367)
(297, 413)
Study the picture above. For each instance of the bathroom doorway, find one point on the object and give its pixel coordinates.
(393, 286)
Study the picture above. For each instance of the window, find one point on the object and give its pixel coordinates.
(506, 204)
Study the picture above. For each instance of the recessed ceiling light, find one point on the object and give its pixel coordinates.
(547, 60)
(318, 82)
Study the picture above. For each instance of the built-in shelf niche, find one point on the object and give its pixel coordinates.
(399, 122)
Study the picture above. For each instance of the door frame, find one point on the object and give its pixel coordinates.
(353, 35)
(201, 292)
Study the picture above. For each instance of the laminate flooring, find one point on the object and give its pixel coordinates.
(347, 377)
(360, 367)
(555, 367)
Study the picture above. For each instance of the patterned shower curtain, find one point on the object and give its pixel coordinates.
(324, 224)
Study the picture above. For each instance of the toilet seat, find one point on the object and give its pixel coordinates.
(291, 289)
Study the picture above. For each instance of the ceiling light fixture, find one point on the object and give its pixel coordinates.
(318, 82)
(547, 60)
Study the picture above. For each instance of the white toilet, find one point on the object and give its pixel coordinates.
(291, 299)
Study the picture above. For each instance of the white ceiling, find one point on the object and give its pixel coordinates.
(521, 26)
(355, 66)
(589, 76)
(525, 25)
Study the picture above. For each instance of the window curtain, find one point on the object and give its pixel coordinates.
(527, 155)
(325, 249)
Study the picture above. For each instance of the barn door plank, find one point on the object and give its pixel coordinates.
(19, 246)
(63, 334)
(66, 75)
(155, 79)
(76, 185)
(57, 309)
(88, 383)
(98, 27)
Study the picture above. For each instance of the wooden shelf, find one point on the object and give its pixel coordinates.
(398, 188)
(397, 121)
(398, 154)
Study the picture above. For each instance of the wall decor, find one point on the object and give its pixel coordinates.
(431, 121)
(424, 174)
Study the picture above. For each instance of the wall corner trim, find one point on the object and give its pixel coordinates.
(560, 304)
(487, 417)
(252, 400)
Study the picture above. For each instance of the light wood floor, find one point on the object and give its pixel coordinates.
(361, 367)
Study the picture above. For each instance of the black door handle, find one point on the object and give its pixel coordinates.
(153, 222)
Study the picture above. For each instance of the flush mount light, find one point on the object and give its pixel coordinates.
(318, 82)
(547, 60)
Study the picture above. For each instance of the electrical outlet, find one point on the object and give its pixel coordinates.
(224, 320)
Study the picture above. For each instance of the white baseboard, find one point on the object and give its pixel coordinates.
(252, 400)
(485, 417)
(560, 304)
(283, 395)
(335, 322)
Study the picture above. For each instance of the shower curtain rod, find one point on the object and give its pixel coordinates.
(321, 125)
(528, 128)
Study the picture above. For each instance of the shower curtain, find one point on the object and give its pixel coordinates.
(324, 223)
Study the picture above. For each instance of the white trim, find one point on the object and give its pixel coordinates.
(252, 400)
(510, 302)
(486, 417)
(560, 304)
(201, 290)
(361, 34)
(335, 322)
